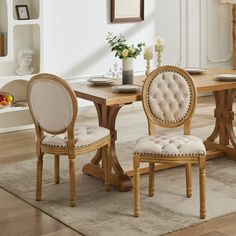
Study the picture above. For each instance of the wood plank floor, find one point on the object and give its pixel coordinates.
(17, 218)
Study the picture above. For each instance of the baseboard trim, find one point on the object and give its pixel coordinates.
(16, 128)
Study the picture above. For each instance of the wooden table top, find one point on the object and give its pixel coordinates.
(205, 82)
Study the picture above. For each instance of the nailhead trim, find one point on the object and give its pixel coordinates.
(88, 131)
(171, 154)
(51, 145)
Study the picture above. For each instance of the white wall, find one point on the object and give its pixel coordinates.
(75, 33)
(216, 28)
(197, 33)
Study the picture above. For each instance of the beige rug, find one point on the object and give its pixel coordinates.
(102, 213)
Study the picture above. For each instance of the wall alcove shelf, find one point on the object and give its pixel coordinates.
(18, 34)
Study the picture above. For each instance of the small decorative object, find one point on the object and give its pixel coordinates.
(114, 71)
(125, 52)
(25, 57)
(117, 70)
(148, 55)
(22, 12)
(127, 10)
(6, 99)
(159, 48)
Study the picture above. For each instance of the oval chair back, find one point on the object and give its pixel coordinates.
(52, 103)
(169, 96)
(53, 106)
(169, 100)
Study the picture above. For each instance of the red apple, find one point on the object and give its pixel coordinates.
(2, 98)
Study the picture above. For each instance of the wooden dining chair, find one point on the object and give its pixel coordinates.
(169, 100)
(53, 106)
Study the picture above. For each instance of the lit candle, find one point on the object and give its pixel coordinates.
(148, 54)
(160, 43)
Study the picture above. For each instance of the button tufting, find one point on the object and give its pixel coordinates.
(84, 136)
(169, 100)
(170, 145)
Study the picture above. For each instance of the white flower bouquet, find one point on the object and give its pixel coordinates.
(118, 44)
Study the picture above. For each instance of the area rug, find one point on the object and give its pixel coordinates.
(101, 213)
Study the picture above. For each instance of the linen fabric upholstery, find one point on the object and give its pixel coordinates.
(54, 109)
(169, 96)
(84, 136)
(51, 105)
(169, 100)
(170, 145)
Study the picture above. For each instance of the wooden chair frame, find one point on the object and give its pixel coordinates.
(185, 160)
(70, 150)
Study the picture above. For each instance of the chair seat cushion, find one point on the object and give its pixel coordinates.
(170, 145)
(84, 136)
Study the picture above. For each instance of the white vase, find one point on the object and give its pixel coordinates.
(127, 70)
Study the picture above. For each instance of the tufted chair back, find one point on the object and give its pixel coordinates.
(169, 96)
(52, 103)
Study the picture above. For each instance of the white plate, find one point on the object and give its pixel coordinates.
(127, 88)
(226, 77)
(195, 70)
(100, 80)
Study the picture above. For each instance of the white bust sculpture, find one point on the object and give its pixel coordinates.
(25, 57)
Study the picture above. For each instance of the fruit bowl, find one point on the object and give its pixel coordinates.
(6, 99)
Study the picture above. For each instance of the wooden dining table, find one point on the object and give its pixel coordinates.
(221, 142)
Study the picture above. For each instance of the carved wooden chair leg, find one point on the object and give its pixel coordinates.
(151, 179)
(39, 177)
(97, 137)
(72, 181)
(136, 186)
(202, 183)
(188, 180)
(57, 169)
(159, 147)
(107, 166)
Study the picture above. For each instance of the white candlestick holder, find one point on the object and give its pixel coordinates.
(159, 59)
(148, 67)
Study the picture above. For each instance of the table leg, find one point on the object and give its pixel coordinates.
(119, 179)
(223, 130)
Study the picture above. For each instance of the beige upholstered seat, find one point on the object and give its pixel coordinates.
(170, 145)
(169, 100)
(84, 136)
(53, 106)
